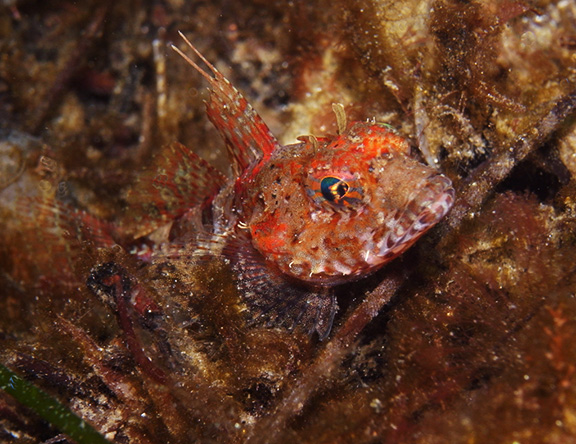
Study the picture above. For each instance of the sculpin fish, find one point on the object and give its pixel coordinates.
(295, 220)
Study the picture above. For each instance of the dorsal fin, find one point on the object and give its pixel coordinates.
(177, 181)
(248, 138)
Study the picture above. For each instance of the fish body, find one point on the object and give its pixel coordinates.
(296, 220)
(338, 211)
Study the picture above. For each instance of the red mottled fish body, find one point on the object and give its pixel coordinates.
(298, 219)
(338, 211)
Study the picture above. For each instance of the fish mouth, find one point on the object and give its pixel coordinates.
(424, 208)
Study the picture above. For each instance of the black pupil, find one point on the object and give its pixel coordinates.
(333, 189)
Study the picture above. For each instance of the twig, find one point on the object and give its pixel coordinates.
(327, 361)
(482, 182)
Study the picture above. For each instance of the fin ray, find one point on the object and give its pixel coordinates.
(247, 137)
(178, 182)
(273, 299)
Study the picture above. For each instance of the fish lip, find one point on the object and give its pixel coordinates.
(434, 198)
(424, 209)
(444, 195)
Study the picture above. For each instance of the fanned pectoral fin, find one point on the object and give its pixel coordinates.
(270, 298)
(274, 300)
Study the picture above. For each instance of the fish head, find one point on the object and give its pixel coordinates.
(333, 210)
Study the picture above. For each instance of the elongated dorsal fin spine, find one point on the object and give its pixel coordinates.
(248, 138)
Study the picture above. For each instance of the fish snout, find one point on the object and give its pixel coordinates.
(436, 198)
(424, 208)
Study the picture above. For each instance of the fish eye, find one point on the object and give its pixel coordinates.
(333, 188)
(338, 192)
